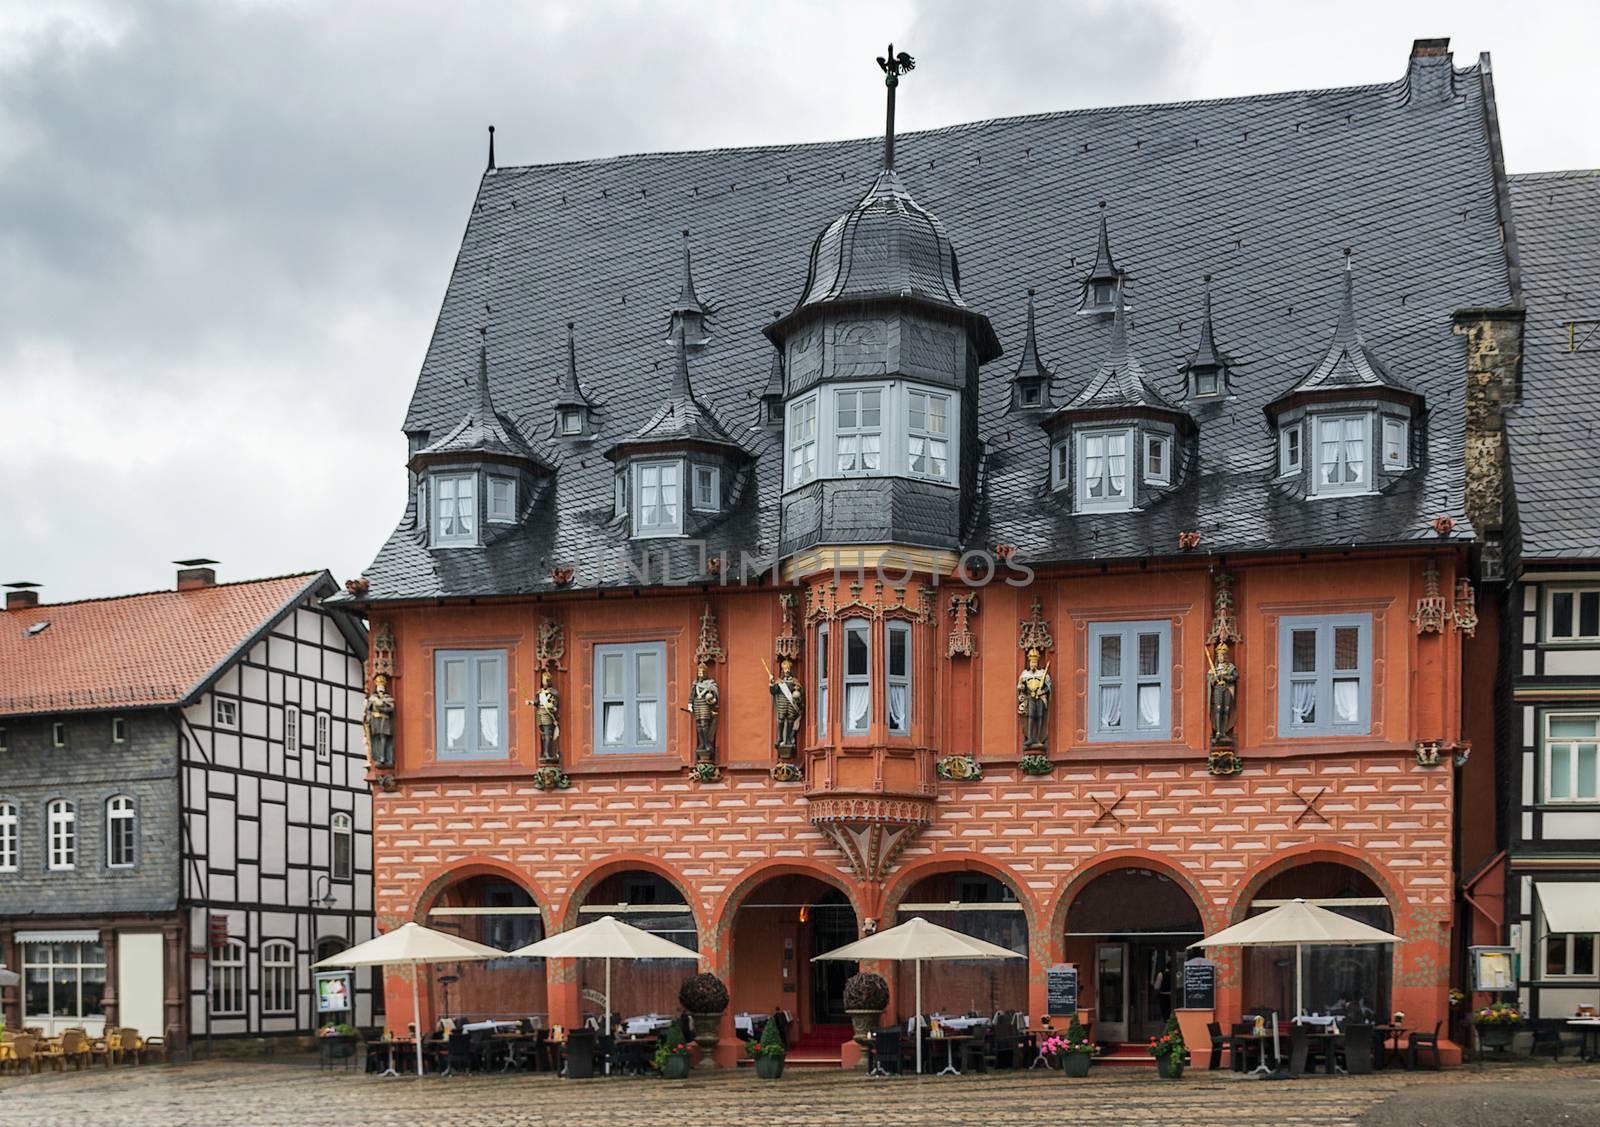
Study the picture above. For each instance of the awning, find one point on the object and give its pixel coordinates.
(1570, 905)
(63, 935)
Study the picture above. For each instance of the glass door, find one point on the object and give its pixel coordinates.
(1111, 992)
(1156, 965)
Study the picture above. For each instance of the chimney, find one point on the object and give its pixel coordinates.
(1430, 73)
(1430, 48)
(21, 595)
(195, 574)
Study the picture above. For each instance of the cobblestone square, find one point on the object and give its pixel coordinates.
(299, 1094)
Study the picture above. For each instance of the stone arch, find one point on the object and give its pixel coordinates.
(1284, 860)
(597, 871)
(1125, 859)
(441, 877)
(762, 871)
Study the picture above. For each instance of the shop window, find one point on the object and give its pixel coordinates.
(62, 980)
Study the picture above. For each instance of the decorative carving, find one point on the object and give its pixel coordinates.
(925, 612)
(709, 648)
(1035, 633)
(1036, 763)
(705, 706)
(1464, 614)
(551, 778)
(1221, 680)
(1188, 541)
(1224, 626)
(1428, 753)
(1004, 552)
(962, 606)
(561, 576)
(857, 605)
(383, 651)
(871, 847)
(960, 768)
(551, 647)
(858, 346)
(358, 587)
(388, 784)
(787, 772)
(788, 703)
(1443, 525)
(547, 716)
(788, 645)
(1108, 810)
(378, 719)
(705, 771)
(819, 604)
(1033, 702)
(1224, 762)
(1429, 615)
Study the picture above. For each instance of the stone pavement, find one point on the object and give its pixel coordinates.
(232, 1093)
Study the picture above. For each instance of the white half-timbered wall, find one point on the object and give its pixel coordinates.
(1551, 841)
(257, 816)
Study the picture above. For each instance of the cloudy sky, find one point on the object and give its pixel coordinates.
(225, 228)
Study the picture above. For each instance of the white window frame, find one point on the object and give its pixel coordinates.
(1578, 594)
(708, 500)
(1084, 442)
(5, 739)
(630, 698)
(342, 847)
(1352, 480)
(653, 521)
(1129, 680)
(457, 528)
(802, 440)
(901, 632)
(279, 969)
(1291, 449)
(926, 435)
(1395, 433)
(571, 421)
(58, 734)
(122, 819)
(228, 993)
(1212, 374)
(42, 957)
(619, 495)
(821, 694)
(856, 628)
(1030, 394)
(1324, 675)
(1161, 446)
(291, 728)
(1569, 940)
(61, 835)
(859, 431)
(1573, 747)
(1061, 464)
(324, 737)
(502, 499)
(422, 504)
(10, 838)
(478, 666)
(119, 730)
(224, 712)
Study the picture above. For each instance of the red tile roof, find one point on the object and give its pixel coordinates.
(136, 651)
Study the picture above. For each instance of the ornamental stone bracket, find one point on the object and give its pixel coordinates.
(871, 832)
(961, 642)
(1430, 613)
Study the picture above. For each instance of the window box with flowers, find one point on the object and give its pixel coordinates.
(1169, 1050)
(1071, 1051)
(1497, 1025)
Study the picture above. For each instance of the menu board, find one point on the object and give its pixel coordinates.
(1199, 985)
(1062, 989)
(333, 992)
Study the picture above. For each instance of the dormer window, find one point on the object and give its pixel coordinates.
(893, 428)
(928, 433)
(1341, 454)
(803, 440)
(707, 494)
(658, 509)
(1157, 459)
(1289, 458)
(1030, 395)
(1395, 443)
(571, 421)
(1103, 470)
(455, 513)
(1101, 293)
(502, 500)
(1206, 382)
(1061, 464)
(858, 430)
(619, 495)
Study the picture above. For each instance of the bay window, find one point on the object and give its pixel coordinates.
(659, 509)
(858, 430)
(857, 676)
(1325, 675)
(469, 704)
(821, 693)
(1130, 675)
(897, 667)
(1061, 464)
(1572, 757)
(629, 713)
(1289, 449)
(928, 433)
(502, 500)
(455, 509)
(1157, 459)
(707, 489)
(1395, 443)
(802, 440)
(892, 428)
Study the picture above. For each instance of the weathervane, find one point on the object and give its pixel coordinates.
(893, 66)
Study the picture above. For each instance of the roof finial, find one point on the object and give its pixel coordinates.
(893, 66)
(491, 149)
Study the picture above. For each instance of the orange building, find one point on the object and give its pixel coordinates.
(1090, 657)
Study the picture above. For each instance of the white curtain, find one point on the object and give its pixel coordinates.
(647, 722)
(1149, 706)
(1346, 709)
(897, 707)
(856, 702)
(1110, 706)
(488, 728)
(455, 726)
(613, 723)
(1305, 702)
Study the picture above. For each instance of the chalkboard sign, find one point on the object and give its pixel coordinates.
(1062, 988)
(1199, 985)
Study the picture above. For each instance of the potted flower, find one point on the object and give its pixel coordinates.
(338, 1041)
(768, 1051)
(865, 996)
(1169, 1050)
(672, 1054)
(1497, 1025)
(1071, 1050)
(705, 997)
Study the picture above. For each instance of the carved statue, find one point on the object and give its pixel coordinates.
(379, 723)
(1223, 679)
(547, 714)
(705, 704)
(787, 703)
(1033, 702)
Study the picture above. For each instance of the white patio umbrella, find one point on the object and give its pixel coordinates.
(411, 945)
(1298, 925)
(914, 941)
(606, 938)
(9, 977)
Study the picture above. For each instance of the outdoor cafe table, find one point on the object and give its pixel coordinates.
(1393, 1033)
(950, 1040)
(1590, 1028)
(392, 1046)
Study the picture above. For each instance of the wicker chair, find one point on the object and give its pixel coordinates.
(157, 1046)
(24, 1053)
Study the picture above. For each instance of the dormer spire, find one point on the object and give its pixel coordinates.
(1206, 370)
(893, 66)
(689, 313)
(491, 150)
(1031, 377)
(1104, 277)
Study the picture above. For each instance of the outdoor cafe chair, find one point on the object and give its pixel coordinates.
(1354, 1050)
(884, 1054)
(23, 1053)
(1218, 1044)
(1428, 1042)
(155, 1046)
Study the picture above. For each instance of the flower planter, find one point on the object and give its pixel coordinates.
(676, 1067)
(1075, 1064)
(1496, 1036)
(1169, 1067)
(866, 1025)
(769, 1067)
(338, 1046)
(707, 1033)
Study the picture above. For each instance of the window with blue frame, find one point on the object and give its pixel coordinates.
(470, 703)
(1130, 676)
(1325, 675)
(629, 696)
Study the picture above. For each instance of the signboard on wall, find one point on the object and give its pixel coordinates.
(1492, 969)
(333, 991)
(1199, 985)
(1062, 988)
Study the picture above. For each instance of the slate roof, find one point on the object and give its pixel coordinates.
(1263, 193)
(136, 651)
(1030, 367)
(481, 431)
(1555, 431)
(682, 419)
(1120, 381)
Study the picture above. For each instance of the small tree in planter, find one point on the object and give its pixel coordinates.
(769, 1051)
(1497, 1025)
(705, 997)
(1071, 1051)
(865, 996)
(1169, 1050)
(672, 1054)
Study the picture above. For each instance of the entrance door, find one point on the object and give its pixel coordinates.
(1156, 965)
(1111, 992)
(831, 926)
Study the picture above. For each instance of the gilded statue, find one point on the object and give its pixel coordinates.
(378, 719)
(1033, 702)
(1222, 681)
(705, 704)
(787, 703)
